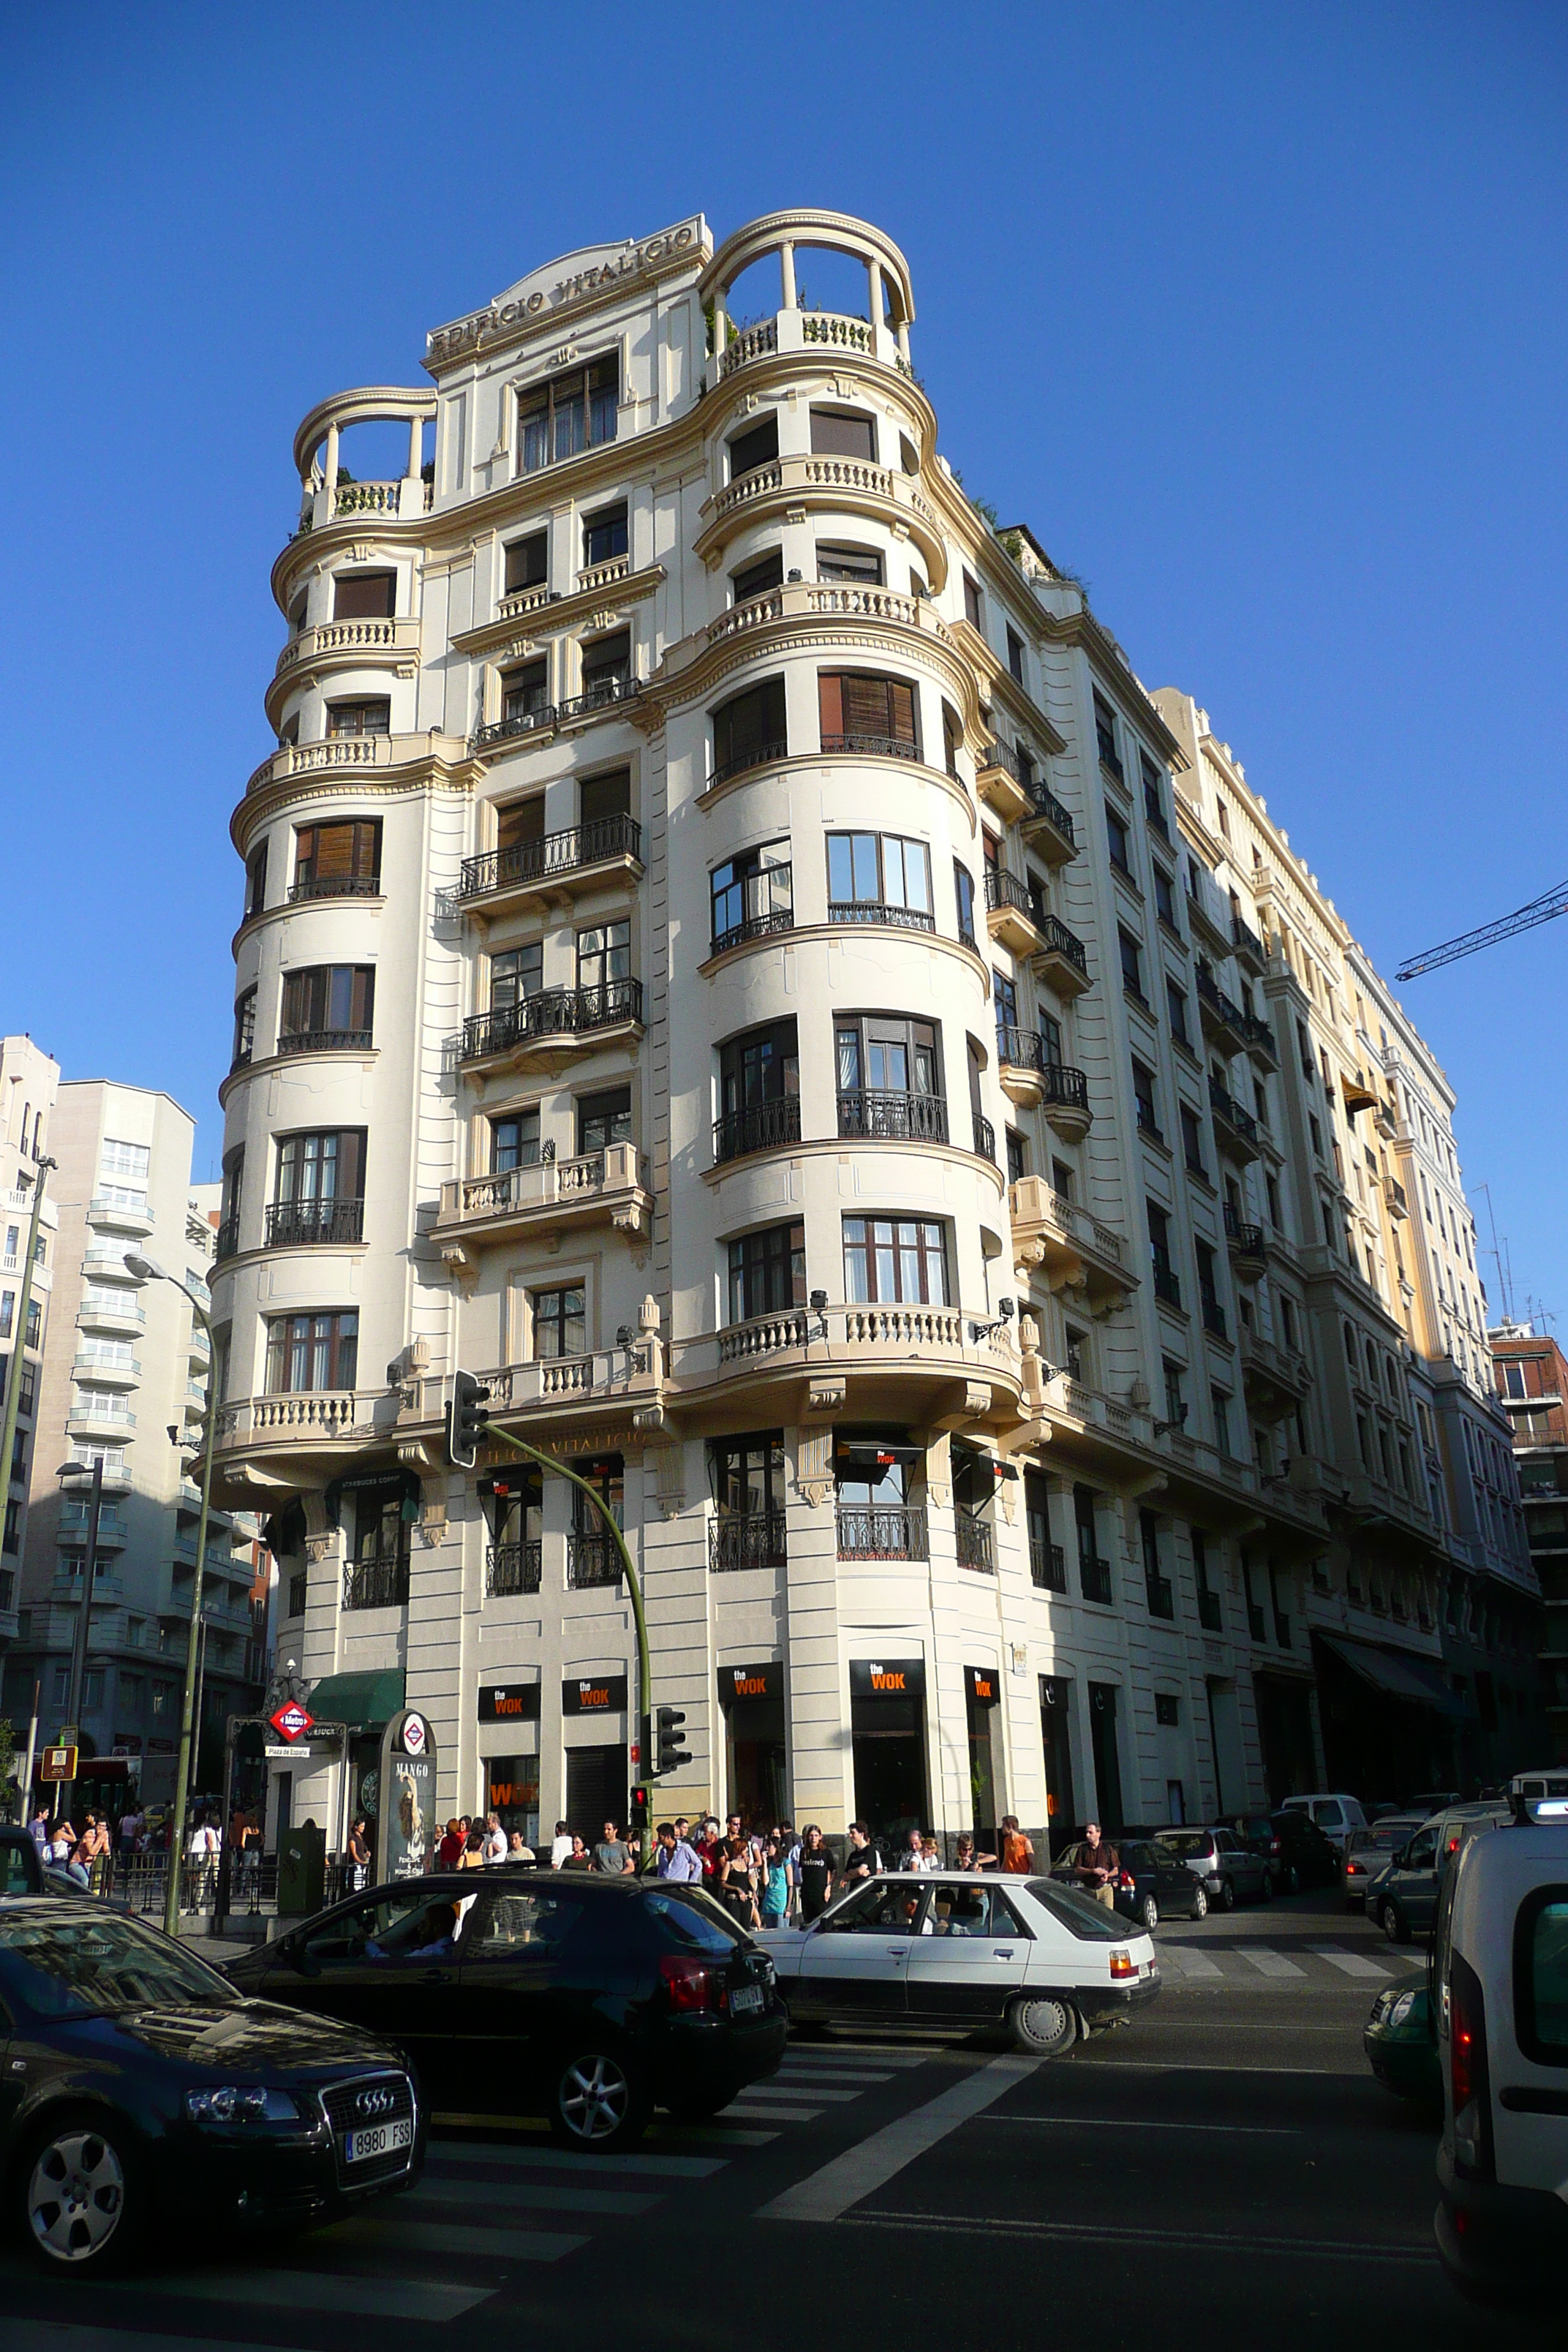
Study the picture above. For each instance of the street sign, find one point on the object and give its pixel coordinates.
(291, 1720)
(59, 1764)
(69, 1736)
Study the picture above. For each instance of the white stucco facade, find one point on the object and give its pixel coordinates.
(718, 906)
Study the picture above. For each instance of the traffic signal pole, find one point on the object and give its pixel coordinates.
(645, 1711)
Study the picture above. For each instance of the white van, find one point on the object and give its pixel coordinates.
(1335, 1816)
(1501, 1983)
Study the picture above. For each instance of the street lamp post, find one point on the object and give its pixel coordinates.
(66, 1790)
(146, 1269)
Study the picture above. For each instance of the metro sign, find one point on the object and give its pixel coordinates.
(291, 1720)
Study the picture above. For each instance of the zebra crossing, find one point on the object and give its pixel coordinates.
(1298, 1967)
(518, 2201)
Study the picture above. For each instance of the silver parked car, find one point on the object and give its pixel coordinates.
(1224, 1866)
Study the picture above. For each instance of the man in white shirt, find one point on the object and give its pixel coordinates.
(560, 1845)
(495, 1839)
(203, 1852)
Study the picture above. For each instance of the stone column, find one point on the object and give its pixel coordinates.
(787, 263)
(415, 447)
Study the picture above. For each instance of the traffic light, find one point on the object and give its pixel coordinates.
(467, 1420)
(670, 1749)
(638, 1808)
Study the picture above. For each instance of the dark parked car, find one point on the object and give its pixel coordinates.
(1220, 1862)
(600, 1997)
(1309, 1858)
(1401, 2044)
(142, 2097)
(24, 1871)
(1151, 1884)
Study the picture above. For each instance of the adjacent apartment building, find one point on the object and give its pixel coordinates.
(732, 953)
(29, 1080)
(123, 1378)
(1533, 1383)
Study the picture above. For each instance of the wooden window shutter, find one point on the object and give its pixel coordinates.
(334, 851)
(901, 710)
(830, 703)
(520, 822)
(363, 1012)
(865, 706)
(365, 595)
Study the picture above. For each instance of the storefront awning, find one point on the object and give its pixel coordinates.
(366, 1702)
(1418, 1681)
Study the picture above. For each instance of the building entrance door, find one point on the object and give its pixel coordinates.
(595, 1791)
(1107, 1760)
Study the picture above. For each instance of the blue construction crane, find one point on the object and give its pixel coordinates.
(1551, 903)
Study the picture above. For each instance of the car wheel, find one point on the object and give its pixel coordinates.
(1226, 1895)
(81, 2194)
(1149, 1912)
(1042, 2025)
(598, 2103)
(1200, 1910)
(1395, 1926)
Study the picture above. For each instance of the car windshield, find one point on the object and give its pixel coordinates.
(1090, 1921)
(1191, 1844)
(689, 1916)
(83, 1963)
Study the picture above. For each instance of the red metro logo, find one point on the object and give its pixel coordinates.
(291, 1720)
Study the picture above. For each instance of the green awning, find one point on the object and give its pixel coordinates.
(1396, 1672)
(366, 1702)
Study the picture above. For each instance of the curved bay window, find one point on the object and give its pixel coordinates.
(880, 878)
(767, 1271)
(752, 895)
(747, 1475)
(311, 1352)
(748, 729)
(321, 1189)
(328, 1007)
(889, 1078)
(337, 861)
(895, 1260)
(861, 712)
(759, 1092)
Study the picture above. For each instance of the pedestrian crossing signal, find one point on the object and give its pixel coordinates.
(638, 1808)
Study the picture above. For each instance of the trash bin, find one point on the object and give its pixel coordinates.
(301, 1871)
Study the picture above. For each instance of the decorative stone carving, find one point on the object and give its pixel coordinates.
(814, 1466)
(827, 1396)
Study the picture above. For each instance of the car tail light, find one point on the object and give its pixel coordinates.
(690, 1984)
(1127, 1880)
(1274, 1845)
(1355, 1869)
(1469, 2078)
(1123, 1964)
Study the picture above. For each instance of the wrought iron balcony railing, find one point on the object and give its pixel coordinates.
(758, 1127)
(295, 1224)
(554, 1013)
(899, 1119)
(890, 1534)
(746, 1539)
(512, 1567)
(554, 854)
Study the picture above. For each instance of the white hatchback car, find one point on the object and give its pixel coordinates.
(954, 1949)
(1335, 1816)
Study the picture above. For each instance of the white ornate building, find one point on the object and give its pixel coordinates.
(710, 930)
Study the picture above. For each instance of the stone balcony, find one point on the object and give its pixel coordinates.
(529, 876)
(1275, 1378)
(407, 500)
(600, 1188)
(844, 487)
(1073, 1250)
(391, 757)
(937, 1364)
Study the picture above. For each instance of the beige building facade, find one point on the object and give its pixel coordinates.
(732, 953)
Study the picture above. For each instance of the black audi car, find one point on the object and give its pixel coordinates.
(594, 2000)
(140, 2093)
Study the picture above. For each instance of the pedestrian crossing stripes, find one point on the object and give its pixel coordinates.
(515, 2201)
(1302, 1967)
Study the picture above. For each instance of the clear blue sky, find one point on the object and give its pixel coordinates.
(1255, 313)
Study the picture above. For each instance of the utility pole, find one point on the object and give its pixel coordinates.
(19, 1336)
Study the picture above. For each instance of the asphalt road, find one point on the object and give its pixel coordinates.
(1225, 2163)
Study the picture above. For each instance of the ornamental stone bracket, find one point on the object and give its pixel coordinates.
(825, 1396)
(630, 1217)
(813, 1480)
(462, 1267)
